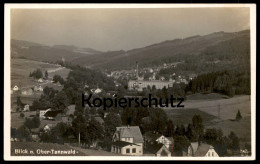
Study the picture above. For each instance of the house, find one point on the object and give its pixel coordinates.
(15, 88)
(48, 127)
(197, 149)
(244, 152)
(38, 88)
(27, 91)
(35, 137)
(26, 108)
(70, 110)
(128, 140)
(43, 112)
(40, 80)
(167, 141)
(98, 91)
(156, 149)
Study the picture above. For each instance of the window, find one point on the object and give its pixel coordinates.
(134, 150)
(127, 150)
(209, 154)
(212, 153)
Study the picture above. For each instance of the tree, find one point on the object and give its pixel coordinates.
(234, 141)
(61, 131)
(189, 132)
(238, 116)
(211, 136)
(111, 121)
(21, 115)
(37, 74)
(198, 127)
(60, 101)
(94, 131)
(32, 123)
(19, 102)
(79, 127)
(23, 132)
(46, 74)
(180, 144)
(58, 78)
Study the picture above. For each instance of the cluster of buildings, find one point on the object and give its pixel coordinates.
(139, 84)
(27, 91)
(128, 140)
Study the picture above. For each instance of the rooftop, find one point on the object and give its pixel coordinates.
(130, 131)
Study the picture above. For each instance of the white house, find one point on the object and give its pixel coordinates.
(27, 91)
(128, 140)
(98, 91)
(26, 108)
(167, 141)
(48, 127)
(43, 112)
(40, 80)
(15, 88)
(38, 88)
(197, 149)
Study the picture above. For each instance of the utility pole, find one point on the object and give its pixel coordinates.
(79, 139)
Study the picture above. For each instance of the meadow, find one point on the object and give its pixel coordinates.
(21, 68)
(207, 106)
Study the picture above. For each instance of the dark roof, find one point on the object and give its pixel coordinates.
(153, 148)
(52, 113)
(202, 150)
(150, 136)
(122, 143)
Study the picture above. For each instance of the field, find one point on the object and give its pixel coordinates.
(184, 116)
(34, 146)
(208, 106)
(21, 68)
(17, 121)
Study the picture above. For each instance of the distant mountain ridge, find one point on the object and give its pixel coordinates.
(40, 52)
(167, 51)
(207, 47)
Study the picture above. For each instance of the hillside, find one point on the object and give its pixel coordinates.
(220, 50)
(39, 52)
(213, 47)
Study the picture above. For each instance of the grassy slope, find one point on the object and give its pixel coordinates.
(207, 107)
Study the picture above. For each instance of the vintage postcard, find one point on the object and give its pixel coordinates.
(130, 82)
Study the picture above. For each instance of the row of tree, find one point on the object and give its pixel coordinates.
(37, 74)
(226, 82)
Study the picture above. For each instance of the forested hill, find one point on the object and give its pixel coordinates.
(40, 52)
(220, 47)
(199, 54)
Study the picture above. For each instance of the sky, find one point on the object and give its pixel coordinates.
(122, 29)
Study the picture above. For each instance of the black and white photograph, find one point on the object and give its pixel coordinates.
(129, 81)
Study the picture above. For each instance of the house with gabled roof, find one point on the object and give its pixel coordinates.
(197, 149)
(156, 149)
(128, 140)
(167, 141)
